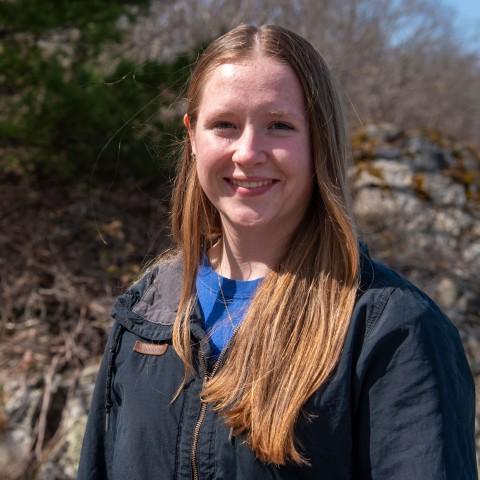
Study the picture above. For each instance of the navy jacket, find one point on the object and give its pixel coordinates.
(399, 406)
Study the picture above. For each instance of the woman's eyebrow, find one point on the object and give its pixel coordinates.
(286, 114)
(218, 112)
(215, 112)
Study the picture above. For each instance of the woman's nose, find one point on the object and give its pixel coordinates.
(249, 148)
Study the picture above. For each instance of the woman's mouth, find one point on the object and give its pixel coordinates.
(250, 187)
(250, 183)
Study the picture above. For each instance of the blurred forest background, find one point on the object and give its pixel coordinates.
(90, 123)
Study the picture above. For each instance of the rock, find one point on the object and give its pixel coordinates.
(472, 253)
(395, 173)
(425, 156)
(65, 452)
(22, 405)
(375, 203)
(383, 173)
(391, 153)
(446, 292)
(418, 211)
(443, 190)
(452, 221)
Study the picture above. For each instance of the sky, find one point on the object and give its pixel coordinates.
(468, 18)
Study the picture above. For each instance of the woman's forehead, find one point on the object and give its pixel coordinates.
(260, 79)
(253, 68)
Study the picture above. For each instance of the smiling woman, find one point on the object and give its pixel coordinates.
(270, 344)
(250, 137)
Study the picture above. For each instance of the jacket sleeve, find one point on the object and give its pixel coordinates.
(97, 445)
(415, 412)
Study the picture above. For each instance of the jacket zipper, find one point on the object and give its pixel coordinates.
(203, 410)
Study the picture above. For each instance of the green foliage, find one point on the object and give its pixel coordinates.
(82, 124)
(65, 119)
(94, 18)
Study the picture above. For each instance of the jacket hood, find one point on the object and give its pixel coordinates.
(149, 307)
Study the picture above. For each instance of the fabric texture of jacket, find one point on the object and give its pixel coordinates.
(400, 404)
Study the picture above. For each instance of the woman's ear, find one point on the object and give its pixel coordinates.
(188, 125)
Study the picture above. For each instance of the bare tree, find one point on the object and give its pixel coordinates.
(399, 61)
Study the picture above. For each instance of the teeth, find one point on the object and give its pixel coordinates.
(248, 184)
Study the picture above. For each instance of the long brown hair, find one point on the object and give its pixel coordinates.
(301, 311)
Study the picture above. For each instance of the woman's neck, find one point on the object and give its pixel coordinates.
(246, 254)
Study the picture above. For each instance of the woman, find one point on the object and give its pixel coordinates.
(271, 345)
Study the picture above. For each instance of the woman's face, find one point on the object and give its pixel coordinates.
(252, 145)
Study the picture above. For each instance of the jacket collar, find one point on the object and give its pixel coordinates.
(149, 306)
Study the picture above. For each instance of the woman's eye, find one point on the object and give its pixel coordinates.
(281, 126)
(223, 125)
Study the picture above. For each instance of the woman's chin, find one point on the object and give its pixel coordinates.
(246, 221)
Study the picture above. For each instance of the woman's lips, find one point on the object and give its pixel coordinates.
(250, 183)
(251, 186)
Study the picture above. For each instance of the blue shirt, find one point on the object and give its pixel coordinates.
(222, 313)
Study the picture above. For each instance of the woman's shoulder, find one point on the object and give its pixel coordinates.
(414, 395)
(394, 319)
(390, 301)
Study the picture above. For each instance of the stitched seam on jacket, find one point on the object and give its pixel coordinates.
(140, 300)
(179, 435)
(379, 307)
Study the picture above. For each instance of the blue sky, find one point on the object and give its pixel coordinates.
(468, 17)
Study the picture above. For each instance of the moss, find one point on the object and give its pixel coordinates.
(470, 179)
(369, 167)
(457, 153)
(363, 146)
(474, 151)
(465, 177)
(418, 186)
(438, 137)
(374, 170)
